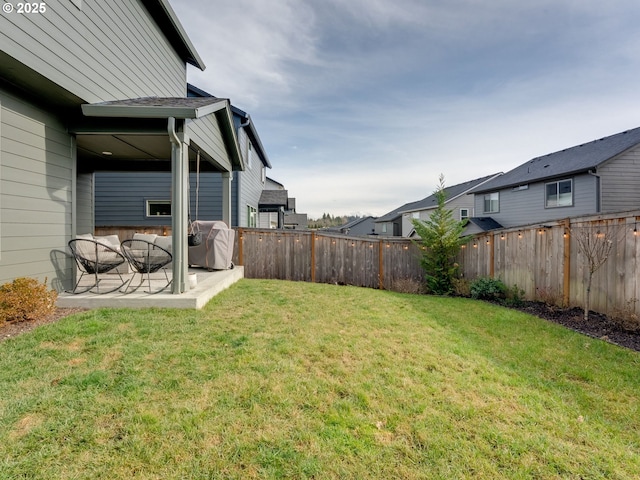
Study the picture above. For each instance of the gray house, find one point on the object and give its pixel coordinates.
(97, 86)
(601, 176)
(459, 200)
(143, 198)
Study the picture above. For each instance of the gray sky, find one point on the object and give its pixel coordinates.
(362, 104)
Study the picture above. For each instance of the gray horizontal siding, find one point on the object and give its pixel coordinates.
(523, 207)
(36, 181)
(108, 50)
(120, 198)
(205, 132)
(620, 180)
(250, 181)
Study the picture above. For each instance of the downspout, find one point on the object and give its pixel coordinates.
(598, 192)
(177, 221)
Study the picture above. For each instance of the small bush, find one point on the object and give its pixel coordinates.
(514, 296)
(407, 285)
(461, 287)
(25, 299)
(488, 289)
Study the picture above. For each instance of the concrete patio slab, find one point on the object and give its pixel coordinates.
(209, 284)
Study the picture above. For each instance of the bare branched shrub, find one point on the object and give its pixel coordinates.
(626, 317)
(594, 245)
(547, 296)
(407, 285)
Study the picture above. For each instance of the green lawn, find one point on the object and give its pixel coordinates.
(295, 380)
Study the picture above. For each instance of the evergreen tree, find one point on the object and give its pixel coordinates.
(441, 236)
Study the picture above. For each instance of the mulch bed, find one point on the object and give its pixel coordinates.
(597, 326)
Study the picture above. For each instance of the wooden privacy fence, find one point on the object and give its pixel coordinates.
(390, 264)
(547, 261)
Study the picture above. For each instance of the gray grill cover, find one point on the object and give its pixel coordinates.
(216, 250)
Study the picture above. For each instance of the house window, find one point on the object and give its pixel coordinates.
(492, 203)
(249, 154)
(415, 215)
(558, 194)
(264, 174)
(252, 214)
(158, 208)
(384, 228)
(464, 213)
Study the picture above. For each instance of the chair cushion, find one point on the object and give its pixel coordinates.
(149, 237)
(110, 241)
(85, 236)
(163, 242)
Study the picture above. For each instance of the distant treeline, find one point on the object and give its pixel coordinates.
(328, 220)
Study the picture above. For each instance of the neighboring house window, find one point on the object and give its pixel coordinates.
(492, 203)
(249, 154)
(384, 228)
(464, 213)
(558, 194)
(415, 215)
(252, 214)
(264, 174)
(158, 208)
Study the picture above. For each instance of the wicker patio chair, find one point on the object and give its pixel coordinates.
(95, 258)
(146, 258)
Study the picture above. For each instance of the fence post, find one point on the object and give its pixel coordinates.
(566, 284)
(492, 256)
(380, 266)
(313, 257)
(240, 247)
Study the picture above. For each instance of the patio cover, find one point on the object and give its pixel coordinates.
(145, 133)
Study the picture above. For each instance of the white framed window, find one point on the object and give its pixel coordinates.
(464, 213)
(252, 214)
(249, 154)
(264, 174)
(384, 228)
(558, 194)
(415, 215)
(491, 203)
(158, 208)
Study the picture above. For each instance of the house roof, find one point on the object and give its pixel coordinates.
(167, 20)
(247, 123)
(578, 159)
(156, 107)
(485, 223)
(452, 193)
(431, 201)
(271, 198)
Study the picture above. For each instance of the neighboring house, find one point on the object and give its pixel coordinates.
(271, 184)
(359, 227)
(458, 199)
(277, 210)
(601, 176)
(136, 199)
(97, 86)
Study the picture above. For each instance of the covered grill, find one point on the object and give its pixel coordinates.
(215, 252)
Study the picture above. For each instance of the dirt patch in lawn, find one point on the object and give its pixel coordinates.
(13, 329)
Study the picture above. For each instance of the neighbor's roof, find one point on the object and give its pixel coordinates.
(193, 91)
(578, 159)
(485, 223)
(273, 198)
(452, 193)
